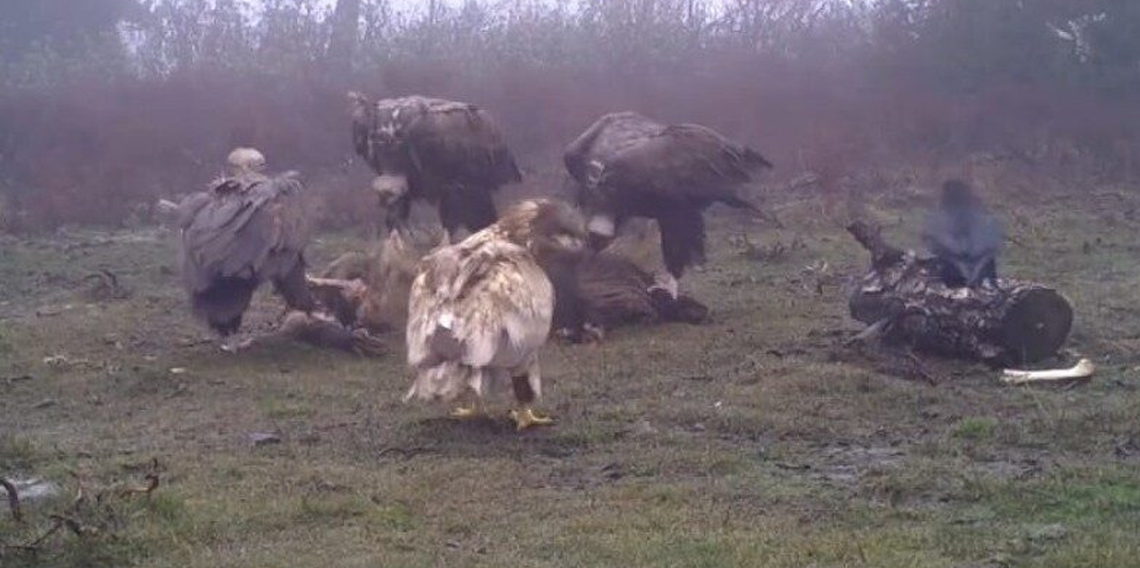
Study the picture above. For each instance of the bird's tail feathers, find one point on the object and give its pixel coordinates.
(445, 381)
(755, 160)
(443, 342)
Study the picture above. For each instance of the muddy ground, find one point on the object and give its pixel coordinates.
(754, 440)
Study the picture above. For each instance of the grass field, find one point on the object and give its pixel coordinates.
(755, 440)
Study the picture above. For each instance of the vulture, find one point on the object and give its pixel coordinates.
(449, 154)
(246, 229)
(626, 165)
(480, 310)
(963, 237)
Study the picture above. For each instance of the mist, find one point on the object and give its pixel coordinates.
(107, 108)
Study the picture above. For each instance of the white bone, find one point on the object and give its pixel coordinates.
(1082, 370)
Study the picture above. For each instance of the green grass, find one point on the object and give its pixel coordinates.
(755, 440)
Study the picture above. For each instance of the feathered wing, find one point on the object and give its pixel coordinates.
(605, 138)
(243, 232)
(686, 162)
(476, 310)
(967, 241)
(458, 142)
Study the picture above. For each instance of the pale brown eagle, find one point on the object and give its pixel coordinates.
(480, 310)
(627, 165)
(449, 154)
(246, 229)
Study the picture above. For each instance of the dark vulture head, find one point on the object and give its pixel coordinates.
(380, 138)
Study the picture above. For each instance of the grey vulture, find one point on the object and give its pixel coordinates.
(963, 236)
(246, 229)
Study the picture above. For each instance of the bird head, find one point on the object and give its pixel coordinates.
(244, 161)
(545, 224)
(378, 133)
(957, 194)
(595, 200)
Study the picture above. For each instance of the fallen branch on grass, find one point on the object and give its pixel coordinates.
(13, 499)
(84, 517)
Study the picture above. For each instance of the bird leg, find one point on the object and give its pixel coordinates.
(524, 417)
(470, 409)
(235, 343)
(668, 283)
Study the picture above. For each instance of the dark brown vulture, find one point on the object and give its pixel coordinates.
(449, 154)
(247, 229)
(627, 165)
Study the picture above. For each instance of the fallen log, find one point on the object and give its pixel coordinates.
(1005, 322)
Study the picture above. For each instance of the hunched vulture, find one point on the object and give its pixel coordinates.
(963, 236)
(449, 154)
(246, 229)
(627, 165)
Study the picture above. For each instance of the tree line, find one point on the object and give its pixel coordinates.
(124, 100)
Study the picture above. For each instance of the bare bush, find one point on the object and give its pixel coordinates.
(95, 127)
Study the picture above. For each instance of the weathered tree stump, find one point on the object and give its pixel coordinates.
(1004, 323)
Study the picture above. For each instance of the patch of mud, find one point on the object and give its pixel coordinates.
(845, 465)
(1009, 469)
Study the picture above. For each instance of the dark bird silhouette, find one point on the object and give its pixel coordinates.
(449, 154)
(246, 229)
(627, 165)
(963, 236)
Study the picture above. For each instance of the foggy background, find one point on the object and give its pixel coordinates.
(106, 105)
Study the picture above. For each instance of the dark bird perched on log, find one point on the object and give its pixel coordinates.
(246, 229)
(964, 237)
(627, 165)
(449, 154)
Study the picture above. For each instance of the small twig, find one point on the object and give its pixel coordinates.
(870, 333)
(919, 368)
(870, 236)
(406, 453)
(34, 546)
(13, 499)
(71, 523)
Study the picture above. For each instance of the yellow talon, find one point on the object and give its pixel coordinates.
(526, 417)
(467, 412)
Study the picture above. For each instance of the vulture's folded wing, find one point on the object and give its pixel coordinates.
(605, 138)
(686, 161)
(492, 302)
(254, 230)
(457, 141)
(980, 236)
